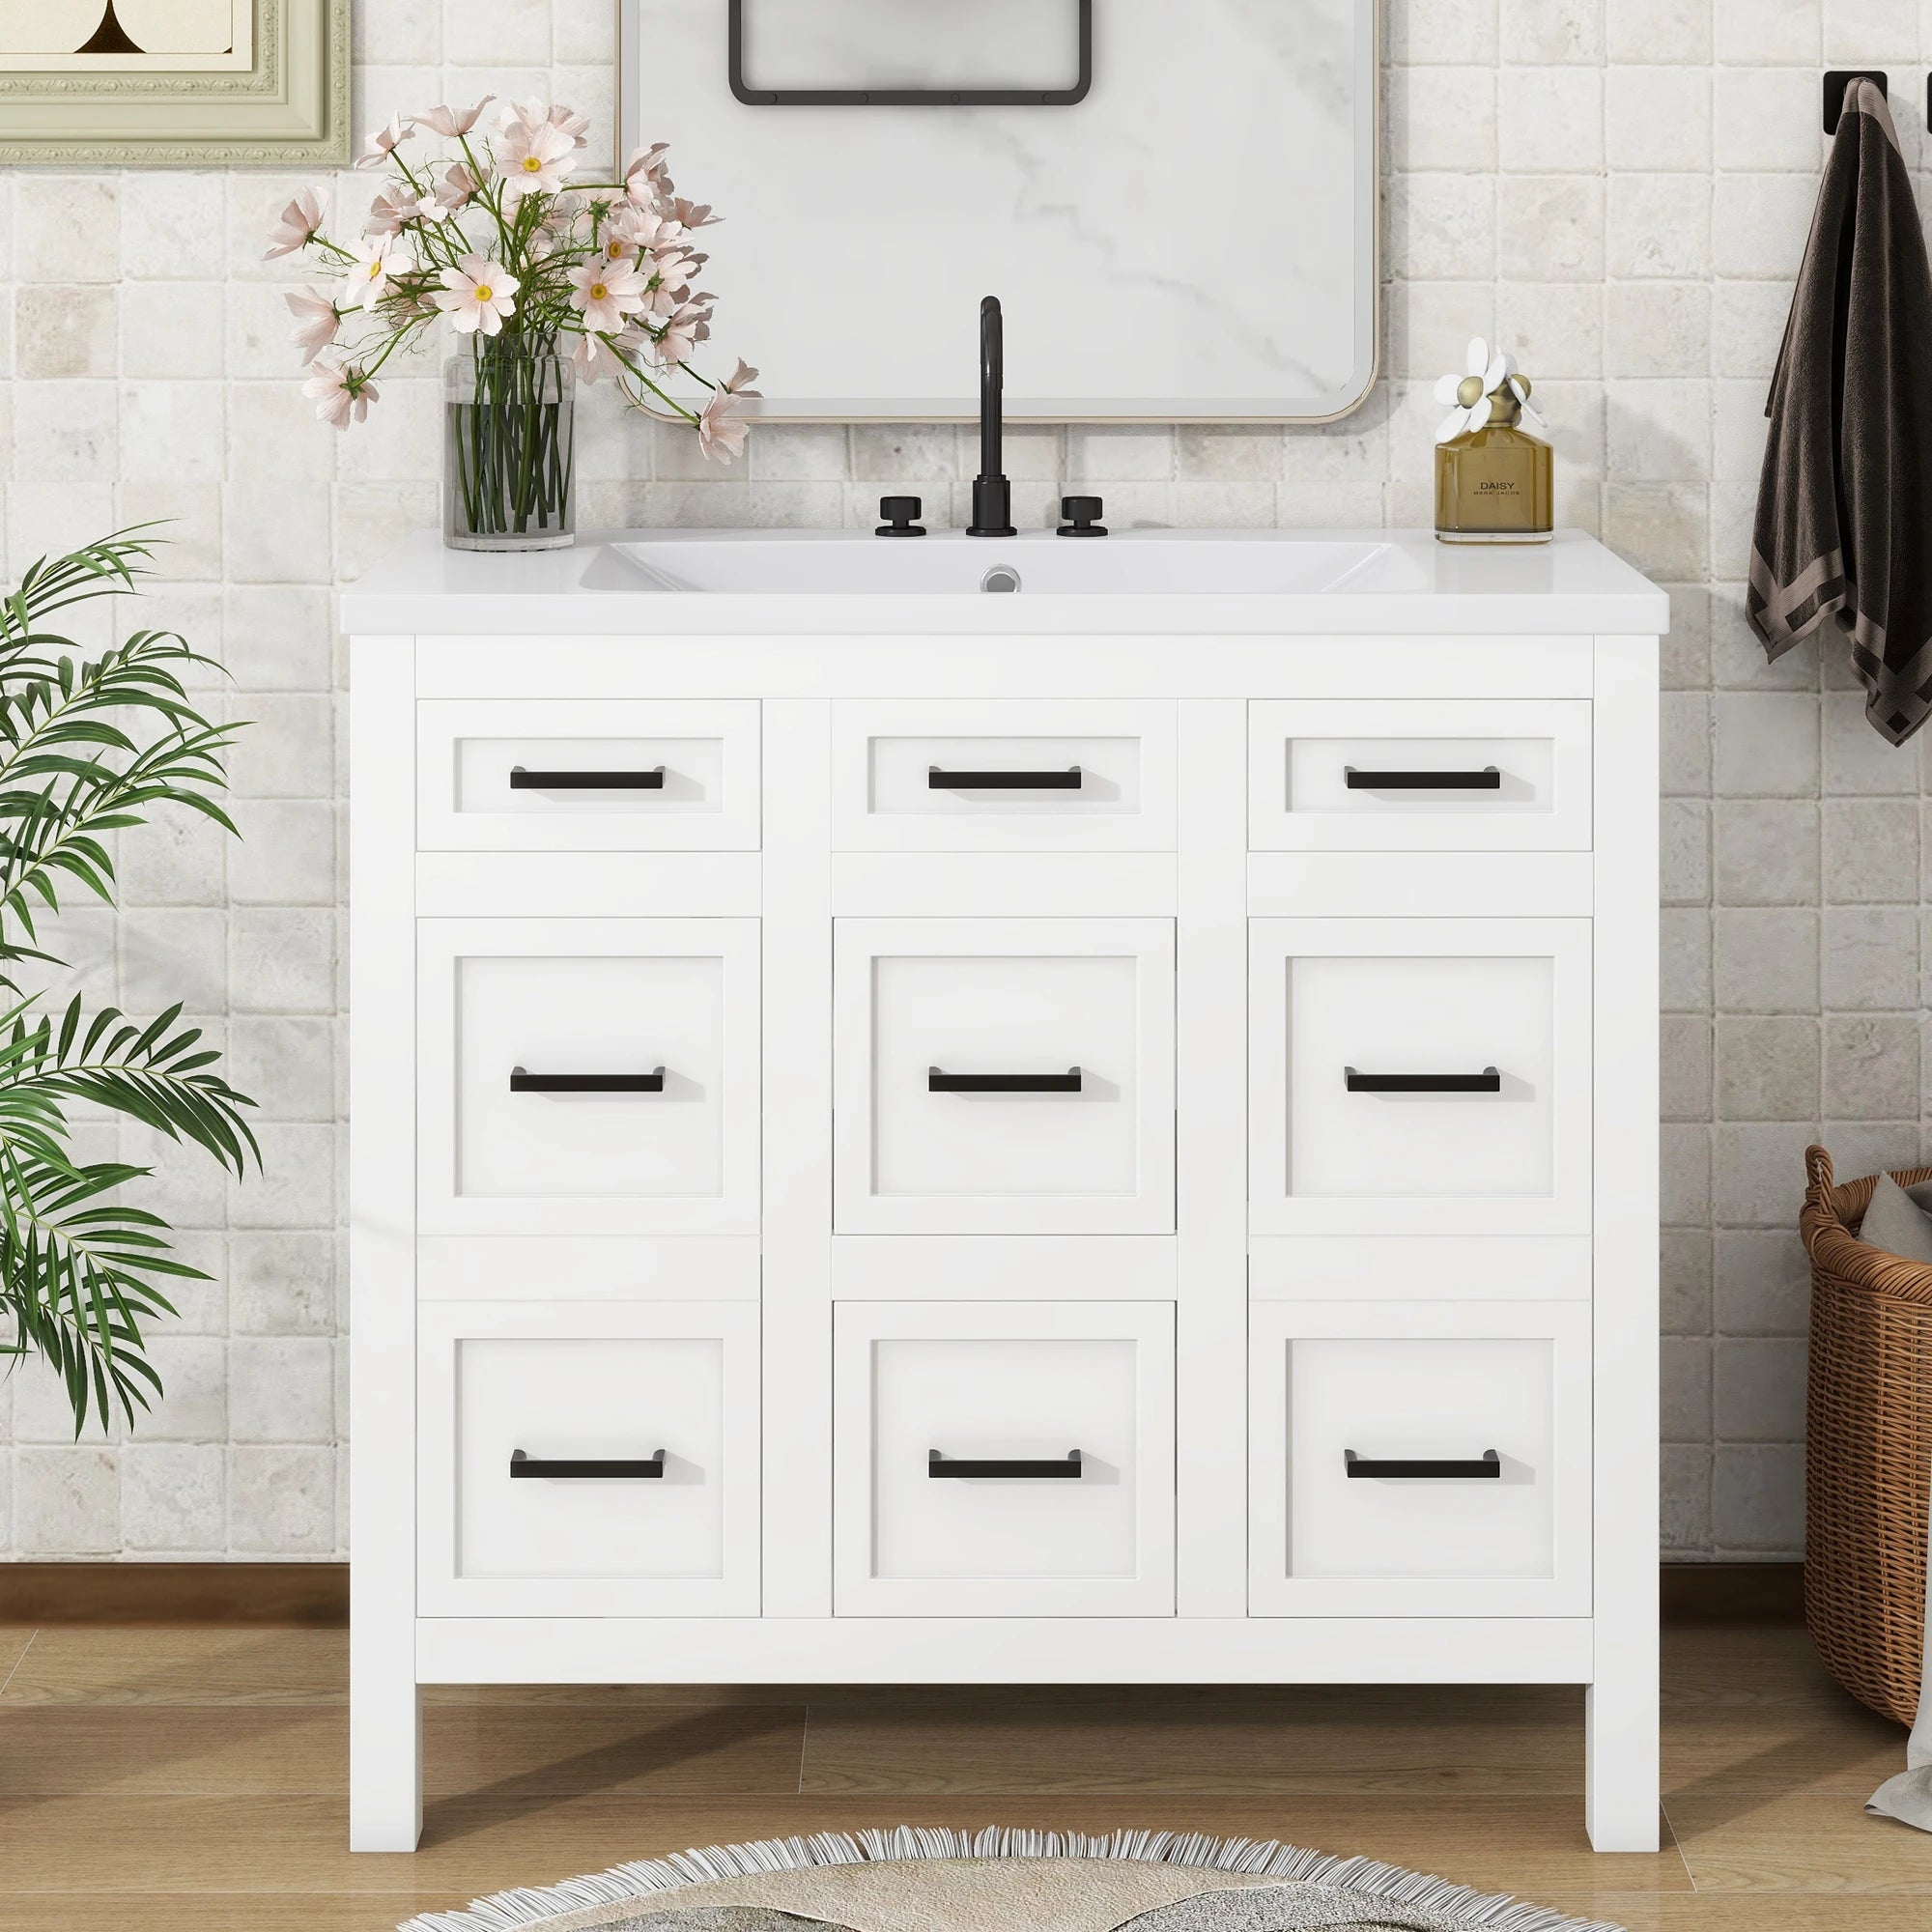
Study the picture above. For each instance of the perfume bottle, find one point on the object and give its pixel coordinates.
(1492, 477)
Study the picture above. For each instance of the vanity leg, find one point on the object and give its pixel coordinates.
(1622, 1796)
(385, 1763)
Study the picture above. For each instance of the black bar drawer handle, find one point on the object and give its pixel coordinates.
(650, 781)
(1067, 1469)
(940, 1082)
(1401, 1466)
(1489, 778)
(576, 1469)
(1067, 781)
(1488, 1081)
(587, 1083)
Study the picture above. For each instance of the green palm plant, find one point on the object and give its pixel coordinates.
(90, 747)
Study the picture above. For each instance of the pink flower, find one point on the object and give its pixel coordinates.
(398, 206)
(531, 115)
(342, 394)
(682, 333)
(297, 226)
(385, 142)
(739, 382)
(367, 280)
(604, 292)
(316, 322)
(453, 192)
(655, 231)
(452, 123)
(478, 294)
(720, 428)
(620, 239)
(595, 359)
(389, 210)
(694, 213)
(671, 272)
(534, 160)
(645, 179)
(670, 285)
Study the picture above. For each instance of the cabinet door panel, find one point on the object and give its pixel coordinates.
(511, 775)
(1004, 1459)
(1004, 1076)
(588, 1076)
(1420, 1460)
(1420, 1076)
(1091, 775)
(581, 1460)
(1436, 775)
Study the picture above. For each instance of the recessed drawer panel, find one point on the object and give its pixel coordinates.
(562, 774)
(1420, 1076)
(1444, 775)
(588, 1076)
(1420, 1460)
(1004, 1459)
(1004, 1076)
(1008, 776)
(589, 1460)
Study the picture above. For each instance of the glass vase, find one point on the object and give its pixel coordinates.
(508, 408)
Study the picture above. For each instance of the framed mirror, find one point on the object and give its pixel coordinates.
(1178, 207)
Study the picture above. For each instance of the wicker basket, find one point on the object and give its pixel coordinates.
(1868, 1447)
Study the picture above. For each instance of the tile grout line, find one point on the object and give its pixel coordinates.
(17, 1661)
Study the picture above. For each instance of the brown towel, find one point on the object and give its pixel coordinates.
(1844, 511)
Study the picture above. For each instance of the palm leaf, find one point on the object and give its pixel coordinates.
(90, 747)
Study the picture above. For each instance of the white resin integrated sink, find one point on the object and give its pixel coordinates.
(1148, 583)
(1139, 564)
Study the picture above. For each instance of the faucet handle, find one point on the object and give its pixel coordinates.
(901, 515)
(1083, 515)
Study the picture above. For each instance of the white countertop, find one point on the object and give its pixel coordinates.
(816, 583)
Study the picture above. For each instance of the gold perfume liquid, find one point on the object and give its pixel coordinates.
(1494, 486)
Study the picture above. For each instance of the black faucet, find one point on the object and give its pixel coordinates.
(992, 494)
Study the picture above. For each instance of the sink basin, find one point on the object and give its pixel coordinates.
(1141, 583)
(1130, 565)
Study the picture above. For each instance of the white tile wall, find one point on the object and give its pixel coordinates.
(1622, 187)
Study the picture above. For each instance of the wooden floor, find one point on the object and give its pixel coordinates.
(192, 1781)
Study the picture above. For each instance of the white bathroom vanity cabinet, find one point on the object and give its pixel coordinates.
(1100, 1134)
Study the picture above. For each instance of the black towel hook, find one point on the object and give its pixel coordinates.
(1839, 80)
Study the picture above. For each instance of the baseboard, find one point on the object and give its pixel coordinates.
(316, 1595)
(1734, 1593)
(310, 1594)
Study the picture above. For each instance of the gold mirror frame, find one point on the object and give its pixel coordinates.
(291, 107)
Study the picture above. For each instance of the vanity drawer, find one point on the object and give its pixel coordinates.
(588, 1459)
(1003, 1458)
(1010, 776)
(1427, 1076)
(1420, 1460)
(1003, 1076)
(1440, 775)
(588, 1076)
(512, 775)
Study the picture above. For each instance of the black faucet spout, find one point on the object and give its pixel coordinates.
(992, 494)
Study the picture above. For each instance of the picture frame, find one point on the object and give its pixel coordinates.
(275, 95)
